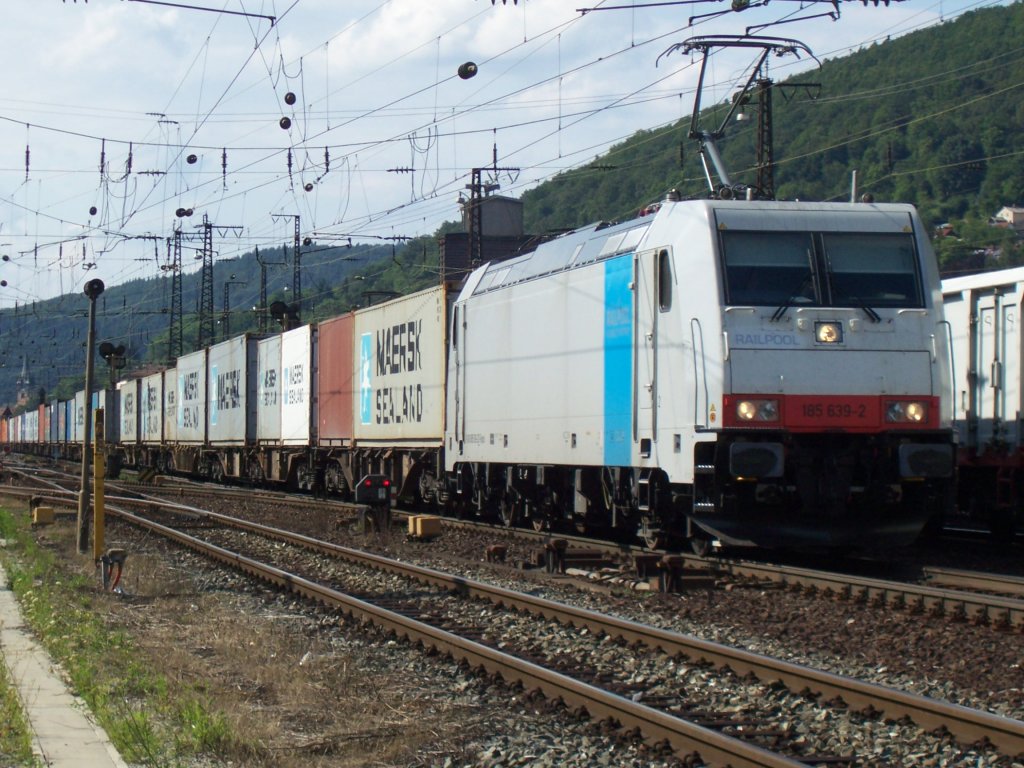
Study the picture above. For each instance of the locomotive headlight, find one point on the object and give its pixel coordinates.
(757, 410)
(906, 411)
(828, 333)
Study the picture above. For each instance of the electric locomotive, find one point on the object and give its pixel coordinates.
(754, 372)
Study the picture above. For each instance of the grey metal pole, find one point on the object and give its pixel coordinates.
(92, 290)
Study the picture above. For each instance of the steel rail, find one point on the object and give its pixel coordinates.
(996, 609)
(655, 725)
(999, 610)
(966, 724)
(961, 579)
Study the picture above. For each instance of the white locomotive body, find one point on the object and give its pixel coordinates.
(763, 373)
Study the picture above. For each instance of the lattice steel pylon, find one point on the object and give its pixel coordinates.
(175, 343)
(206, 288)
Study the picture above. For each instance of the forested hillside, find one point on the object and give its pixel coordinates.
(935, 118)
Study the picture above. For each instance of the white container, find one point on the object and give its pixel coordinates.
(151, 409)
(31, 427)
(231, 389)
(297, 409)
(400, 361)
(78, 424)
(191, 398)
(984, 314)
(268, 391)
(128, 429)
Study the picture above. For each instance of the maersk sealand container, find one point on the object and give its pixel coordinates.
(231, 391)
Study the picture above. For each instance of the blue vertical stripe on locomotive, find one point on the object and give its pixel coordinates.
(618, 361)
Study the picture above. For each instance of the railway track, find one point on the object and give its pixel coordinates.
(627, 631)
(993, 599)
(968, 725)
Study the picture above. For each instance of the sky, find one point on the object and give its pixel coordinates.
(350, 114)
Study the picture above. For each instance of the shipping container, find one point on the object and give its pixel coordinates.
(128, 429)
(400, 351)
(191, 398)
(31, 429)
(268, 412)
(78, 425)
(44, 423)
(66, 417)
(107, 400)
(983, 312)
(5, 429)
(231, 384)
(53, 436)
(151, 408)
(169, 388)
(297, 407)
(336, 381)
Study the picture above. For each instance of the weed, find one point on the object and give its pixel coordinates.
(143, 719)
(15, 737)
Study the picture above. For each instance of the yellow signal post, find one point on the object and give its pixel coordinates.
(100, 469)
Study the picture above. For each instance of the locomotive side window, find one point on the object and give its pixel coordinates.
(664, 282)
(875, 270)
(769, 268)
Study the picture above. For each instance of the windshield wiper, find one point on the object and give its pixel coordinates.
(873, 316)
(791, 299)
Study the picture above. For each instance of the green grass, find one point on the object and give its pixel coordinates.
(147, 721)
(15, 738)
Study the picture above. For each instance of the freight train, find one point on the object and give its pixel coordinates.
(776, 374)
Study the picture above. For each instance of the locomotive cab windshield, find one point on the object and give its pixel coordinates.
(821, 269)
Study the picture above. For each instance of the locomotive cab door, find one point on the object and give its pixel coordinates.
(996, 395)
(645, 350)
(459, 355)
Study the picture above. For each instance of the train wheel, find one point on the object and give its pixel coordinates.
(508, 510)
(652, 537)
(701, 545)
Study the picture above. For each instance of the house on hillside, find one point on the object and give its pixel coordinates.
(1010, 217)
